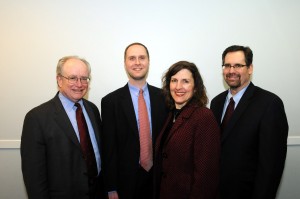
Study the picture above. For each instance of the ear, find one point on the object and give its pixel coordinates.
(250, 69)
(59, 81)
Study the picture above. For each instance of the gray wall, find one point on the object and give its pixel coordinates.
(35, 34)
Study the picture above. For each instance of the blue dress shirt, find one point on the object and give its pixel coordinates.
(236, 98)
(134, 92)
(70, 109)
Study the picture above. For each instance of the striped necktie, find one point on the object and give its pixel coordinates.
(85, 143)
(228, 114)
(146, 156)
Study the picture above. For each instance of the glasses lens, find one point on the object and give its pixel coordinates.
(84, 80)
(73, 80)
(226, 66)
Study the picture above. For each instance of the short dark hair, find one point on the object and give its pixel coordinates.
(246, 50)
(136, 43)
(199, 96)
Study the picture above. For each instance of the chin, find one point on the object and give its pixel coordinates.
(234, 86)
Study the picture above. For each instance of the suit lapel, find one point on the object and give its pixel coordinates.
(183, 117)
(220, 106)
(93, 121)
(63, 121)
(154, 99)
(127, 106)
(241, 107)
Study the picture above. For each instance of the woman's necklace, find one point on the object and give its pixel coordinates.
(175, 114)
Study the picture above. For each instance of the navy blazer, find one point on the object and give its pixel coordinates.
(121, 147)
(52, 161)
(254, 145)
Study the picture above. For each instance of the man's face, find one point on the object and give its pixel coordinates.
(236, 78)
(73, 68)
(137, 63)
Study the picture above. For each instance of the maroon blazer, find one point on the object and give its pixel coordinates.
(187, 164)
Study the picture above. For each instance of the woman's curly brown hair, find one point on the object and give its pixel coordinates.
(199, 98)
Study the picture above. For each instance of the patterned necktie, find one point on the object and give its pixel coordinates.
(85, 142)
(228, 114)
(146, 156)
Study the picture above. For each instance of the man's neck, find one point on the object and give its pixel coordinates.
(234, 91)
(137, 83)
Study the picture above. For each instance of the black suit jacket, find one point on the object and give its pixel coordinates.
(254, 145)
(52, 160)
(121, 148)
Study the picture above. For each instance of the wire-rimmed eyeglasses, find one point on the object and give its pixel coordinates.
(235, 66)
(74, 79)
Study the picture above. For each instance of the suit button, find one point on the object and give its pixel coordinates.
(164, 155)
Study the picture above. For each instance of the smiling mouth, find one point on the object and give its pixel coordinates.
(137, 69)
(233, 77)
(78, 91)
(179, 94)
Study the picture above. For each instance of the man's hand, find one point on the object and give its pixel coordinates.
(113, 195)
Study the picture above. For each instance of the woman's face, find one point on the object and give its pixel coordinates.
(182, 87)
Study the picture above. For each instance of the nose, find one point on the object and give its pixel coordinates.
(137, 61)
(78, 83)
(231, 69)
(178, 85)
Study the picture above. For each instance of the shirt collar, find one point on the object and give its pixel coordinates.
(238, 95)
(67, 103)
(135, 90)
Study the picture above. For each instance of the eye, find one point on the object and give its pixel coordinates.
(227, 65)
(73, 78)
(131, 58)
(237, 66)
(173, 80)
(186, 81)
(142, 57)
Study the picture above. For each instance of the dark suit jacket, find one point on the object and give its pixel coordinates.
(254, 145)
(187, 164)
(52, 160)
(121, 150)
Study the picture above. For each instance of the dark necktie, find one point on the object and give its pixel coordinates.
(228, 114)
(85, 142)
(146, 157)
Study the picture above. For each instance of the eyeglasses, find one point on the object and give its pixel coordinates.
(235, 66)
(74, 79)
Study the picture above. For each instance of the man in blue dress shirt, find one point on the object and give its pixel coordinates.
(53, 163)
(124, 176)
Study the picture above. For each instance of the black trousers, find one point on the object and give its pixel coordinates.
(144, 185)
(96, 186)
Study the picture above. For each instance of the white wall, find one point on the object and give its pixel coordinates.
(12, 186)
(34, 34)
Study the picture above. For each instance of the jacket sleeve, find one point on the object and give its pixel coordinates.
(109, 144)
(273, 132)
(33, 155)
(206, 157)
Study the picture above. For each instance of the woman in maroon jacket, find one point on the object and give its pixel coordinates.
(188, 148)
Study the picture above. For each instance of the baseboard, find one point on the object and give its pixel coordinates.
(10, 144)
(293, 140)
